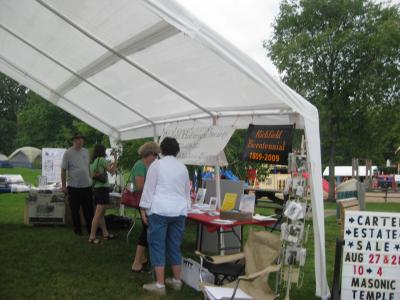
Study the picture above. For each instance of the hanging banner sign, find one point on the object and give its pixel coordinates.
(371, 256)
(268, 144)
(201, 145)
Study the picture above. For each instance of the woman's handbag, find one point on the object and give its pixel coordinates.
(100, 176)
(129, 198)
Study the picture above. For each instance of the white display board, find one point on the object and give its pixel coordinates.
(51, 163)
(371, 256)
(201, 145)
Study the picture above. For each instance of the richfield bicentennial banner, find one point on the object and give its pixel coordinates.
(371, 256)
(268, 144)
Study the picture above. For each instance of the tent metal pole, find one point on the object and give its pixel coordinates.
(129, 61)
(221, 116)
(221, 236)
(13, 66)
(155, 137)
(217, 176)
(142, 40)
(73, 72)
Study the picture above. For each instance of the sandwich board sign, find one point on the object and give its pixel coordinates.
(371, 256)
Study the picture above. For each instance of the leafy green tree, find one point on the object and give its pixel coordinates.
(39, 123)
(343, 56)
(42, 124)
(129, 154)
(12, 98)
(92, 136)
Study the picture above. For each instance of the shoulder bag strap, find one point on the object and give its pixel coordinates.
(130, 176)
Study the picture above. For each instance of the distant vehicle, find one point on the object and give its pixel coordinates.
(387, 182)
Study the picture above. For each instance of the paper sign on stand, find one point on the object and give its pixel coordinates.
(51, 163)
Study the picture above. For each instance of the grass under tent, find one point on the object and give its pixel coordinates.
(45, 262)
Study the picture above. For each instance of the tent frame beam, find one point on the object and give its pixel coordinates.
(122, 57)
(145, 39)
(60, 64)
(194, 118)
(15, 67)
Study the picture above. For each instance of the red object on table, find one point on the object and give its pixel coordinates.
(205, 219)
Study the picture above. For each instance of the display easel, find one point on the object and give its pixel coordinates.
(294, 232)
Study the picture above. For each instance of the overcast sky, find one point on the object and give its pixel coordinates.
(245, 23)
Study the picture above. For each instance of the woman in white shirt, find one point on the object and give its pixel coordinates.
(164, 206)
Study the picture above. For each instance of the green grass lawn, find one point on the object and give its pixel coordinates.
(53, 263)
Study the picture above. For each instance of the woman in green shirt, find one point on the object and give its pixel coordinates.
(98, 170)
(148, 152)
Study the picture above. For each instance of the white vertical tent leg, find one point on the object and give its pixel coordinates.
(219, 204)
(217, 177)
(314, 157)
(218, 185)
(218, 194)
(155, 137)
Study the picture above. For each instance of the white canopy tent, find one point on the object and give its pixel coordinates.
(131, 67)
(348, 171)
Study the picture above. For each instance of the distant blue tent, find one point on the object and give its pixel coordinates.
(229, 175)
(4, 161)
(207, 175)
(225, 173)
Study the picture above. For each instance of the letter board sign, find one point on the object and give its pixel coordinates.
(371, 256)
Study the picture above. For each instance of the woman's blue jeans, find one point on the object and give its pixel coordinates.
(165, 235)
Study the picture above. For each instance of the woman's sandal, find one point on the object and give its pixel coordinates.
(144, 269)
(94, 241)
(110, 236)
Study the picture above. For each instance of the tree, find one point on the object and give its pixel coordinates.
(42, 124)
(129, 153)
(12, 98)
(343, 56)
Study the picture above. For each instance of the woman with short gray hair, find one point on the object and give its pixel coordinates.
(148, 152)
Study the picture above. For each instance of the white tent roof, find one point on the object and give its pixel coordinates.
(347, 170)
(131, 67)
(3, 157)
